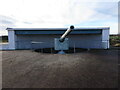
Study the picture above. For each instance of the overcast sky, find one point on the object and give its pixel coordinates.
(58, 13)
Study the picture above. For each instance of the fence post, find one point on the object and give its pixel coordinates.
(31, 45)
(51, 49)
(74, 48)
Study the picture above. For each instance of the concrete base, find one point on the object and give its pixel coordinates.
(61, 52)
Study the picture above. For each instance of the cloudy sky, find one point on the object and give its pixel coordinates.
(58, 13)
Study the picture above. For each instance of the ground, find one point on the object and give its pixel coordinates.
(87, 69)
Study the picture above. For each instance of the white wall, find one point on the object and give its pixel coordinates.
(105, 39)
(11, 39)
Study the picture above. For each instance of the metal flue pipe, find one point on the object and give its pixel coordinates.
(66, 33)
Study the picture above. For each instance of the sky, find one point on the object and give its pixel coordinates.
(58, 14)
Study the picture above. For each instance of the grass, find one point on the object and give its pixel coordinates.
(3, 39)
(115, 40)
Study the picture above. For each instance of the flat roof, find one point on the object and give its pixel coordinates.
(82, 28)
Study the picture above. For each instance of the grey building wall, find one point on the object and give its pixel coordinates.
(47, 41)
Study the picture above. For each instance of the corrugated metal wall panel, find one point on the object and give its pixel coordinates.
(80, 41)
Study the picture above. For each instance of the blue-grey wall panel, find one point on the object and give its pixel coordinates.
(47, 41)
(58, 32)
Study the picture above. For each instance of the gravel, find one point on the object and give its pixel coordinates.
(88, 69)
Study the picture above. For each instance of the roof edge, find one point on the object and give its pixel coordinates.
(103, 28)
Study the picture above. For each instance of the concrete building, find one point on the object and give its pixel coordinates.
(27, 38)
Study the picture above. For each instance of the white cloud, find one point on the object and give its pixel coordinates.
(53, 13)
(113, 27)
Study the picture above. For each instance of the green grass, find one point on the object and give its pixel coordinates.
(3, 39)
(115, 40)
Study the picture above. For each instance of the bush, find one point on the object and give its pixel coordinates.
(115, 40)
(3, 38)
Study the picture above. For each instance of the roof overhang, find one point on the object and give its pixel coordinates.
(48, 31)
(82, 28)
